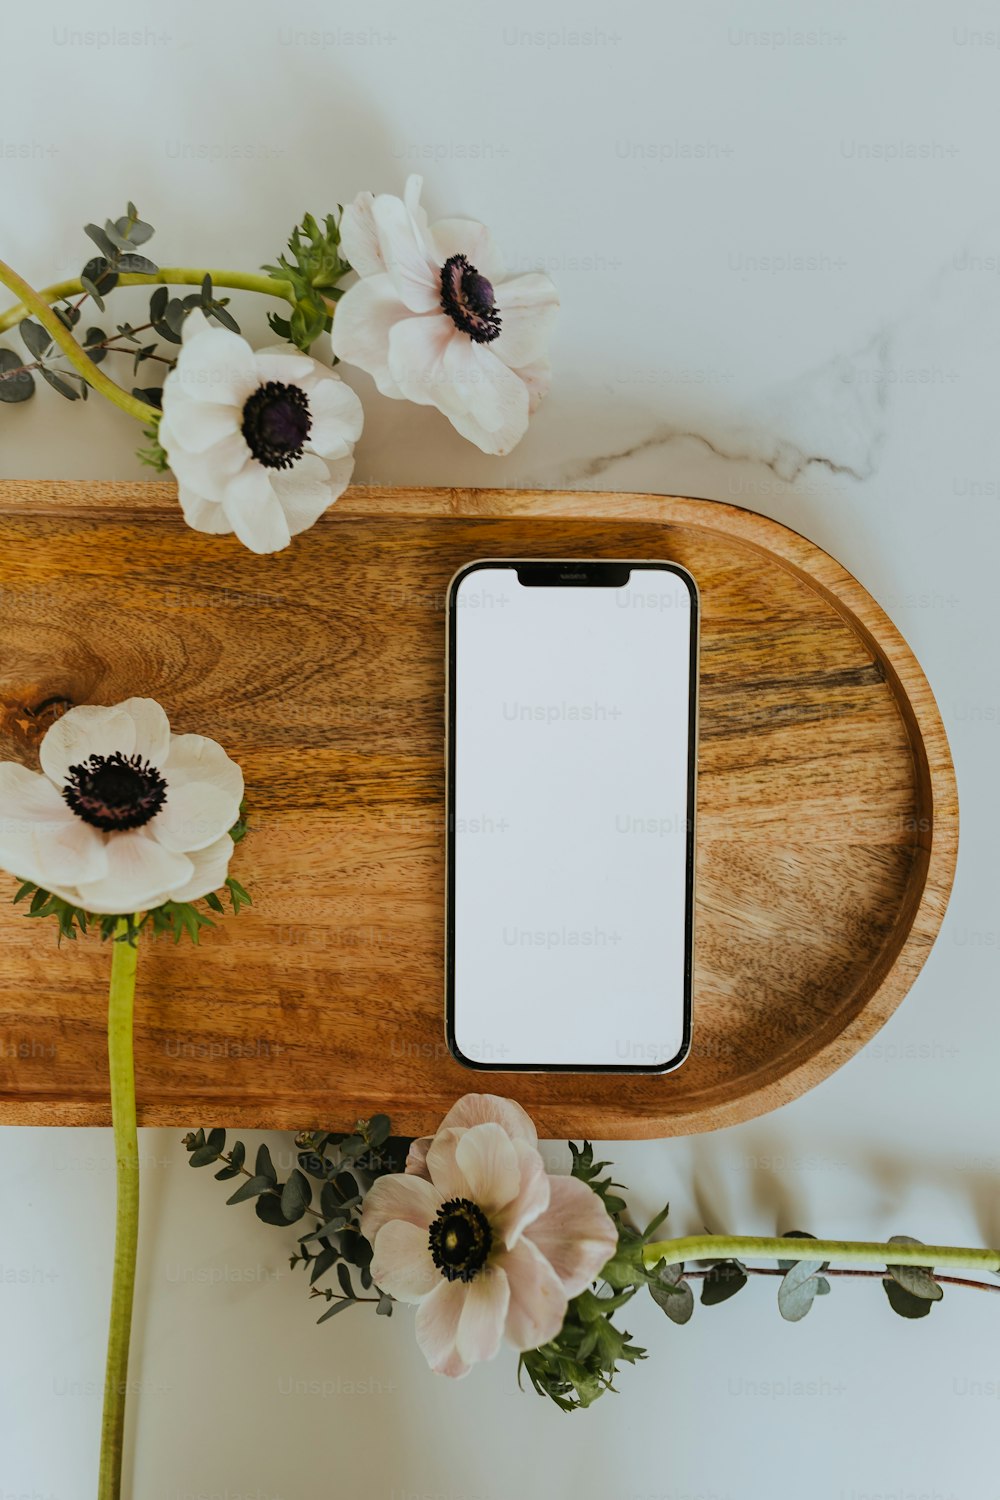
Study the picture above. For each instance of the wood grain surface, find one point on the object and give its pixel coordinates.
(827, 812)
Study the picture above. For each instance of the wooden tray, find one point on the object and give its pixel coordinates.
(827, 815)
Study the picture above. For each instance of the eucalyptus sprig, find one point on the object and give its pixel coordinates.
(344, 1166)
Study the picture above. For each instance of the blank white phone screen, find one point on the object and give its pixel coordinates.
(572, 795)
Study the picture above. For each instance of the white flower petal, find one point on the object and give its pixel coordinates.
(486, 1158)
(527, 306)
(359, 237)
(194, 757)
(538, 379)
(152, 728)
(362, 323)
(41, 838)
(253, 508)
(444, 1171)
(337, 417)
(575, 1234)
(307, 490)
(210, 868)
(481, 1326)
(203, 515)
(477, 1109)
(538, 1301)
(214, 365)
(469, 238)
(397, 1196)
(205, 473)
(197, 425)
(282, 363)
(416, 1156)
(407, 256)
(89, 729)
(496, 415)
(530, 1200)
(195, 814)
(402, 1264)
(417, 352)
(141, 874)
(438, 1317)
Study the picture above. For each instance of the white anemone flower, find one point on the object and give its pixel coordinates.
(261, 441)
(475, 1232)
(433, 321)
(124, 815)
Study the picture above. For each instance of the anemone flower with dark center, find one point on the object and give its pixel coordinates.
(124, 815)
(434, 320)
(261, 442)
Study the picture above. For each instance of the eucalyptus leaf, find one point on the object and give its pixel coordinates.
(322, 1263)
(58, 383)
(90, 288)
(103, 241)
(204, 1156)
(344, 1277)
(268, 1209)
(903, 1302)
(798, 1289)
(264, 1167)
(138, 265)
(333, 1310)
(917, 1280)
(722, 1282)
(673, 1294)
(37, 339)
(14, 388)
(296, 1195)
(251, 1189)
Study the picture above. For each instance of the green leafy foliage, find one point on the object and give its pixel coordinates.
(581, 1362)
(313, 266)
(344, 1166)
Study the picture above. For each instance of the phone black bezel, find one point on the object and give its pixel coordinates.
(548, 575)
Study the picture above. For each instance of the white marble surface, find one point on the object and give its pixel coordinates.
(773, 231)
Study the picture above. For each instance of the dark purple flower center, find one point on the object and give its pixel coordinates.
(460, 1239)
(115, 792)
(276, 423)
(467, 298)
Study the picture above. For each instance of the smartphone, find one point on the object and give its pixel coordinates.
(571, 750)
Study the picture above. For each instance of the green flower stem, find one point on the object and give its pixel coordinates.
(851, 1252)
(33, 302)
(241, 281)
(124, 957)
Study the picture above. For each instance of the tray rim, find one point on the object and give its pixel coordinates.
(921, 916)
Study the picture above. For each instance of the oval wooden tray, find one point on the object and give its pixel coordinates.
(827, 815)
